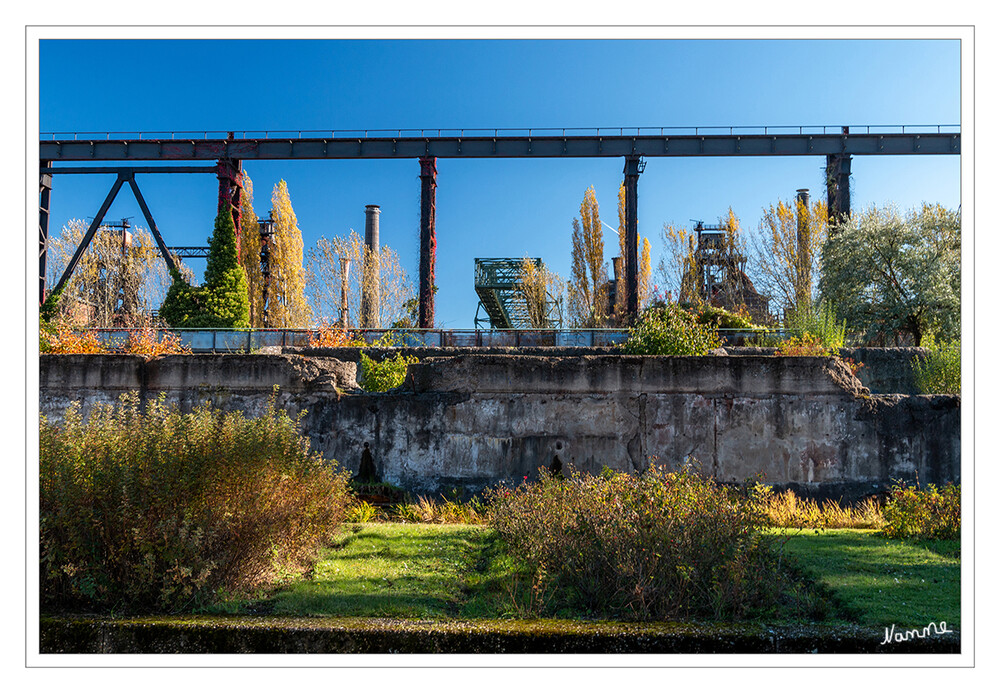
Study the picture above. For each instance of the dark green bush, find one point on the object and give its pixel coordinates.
(223, 302)
(668, 330)
(652, 546)
(161, 510)
(931, 514)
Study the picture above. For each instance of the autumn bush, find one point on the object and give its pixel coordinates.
(786, 509)
(659, 545)
(931, 513)
(669, 330)
(154, 509)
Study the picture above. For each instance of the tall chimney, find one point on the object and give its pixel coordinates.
(803, 260)
(371, 274)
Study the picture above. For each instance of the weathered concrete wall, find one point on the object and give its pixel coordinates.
(471, 421)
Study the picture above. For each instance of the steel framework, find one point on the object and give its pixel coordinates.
(498, 285)
(837, 143)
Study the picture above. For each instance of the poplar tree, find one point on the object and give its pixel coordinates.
(287, 305)
(250, 246)
(589, 274)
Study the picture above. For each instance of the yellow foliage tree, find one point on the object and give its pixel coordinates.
(287, 305)
(787, 260)
(589, 275)
(117, 281)
(542, 291)
(324, 274)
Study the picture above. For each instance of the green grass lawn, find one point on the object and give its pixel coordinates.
(401, 570)
(878, 581)
(416, 571)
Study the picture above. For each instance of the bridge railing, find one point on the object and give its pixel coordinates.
(423, 133)
(249, 341)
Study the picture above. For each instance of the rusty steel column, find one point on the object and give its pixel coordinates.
(803, 256)
(428, 240)
(44, 190)
(230, 174)
(633, 167)
(371, 272)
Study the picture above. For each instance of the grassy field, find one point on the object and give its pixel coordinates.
(878, 581)
(419, 571)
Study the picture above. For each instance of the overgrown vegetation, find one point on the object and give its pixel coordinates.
(932, 513)
(154, 509)
(223, 302)
(939, 372)
(384, 375)
(788, 510)
(653, 546)
(669, 330)
(818, 324)
(61, 338)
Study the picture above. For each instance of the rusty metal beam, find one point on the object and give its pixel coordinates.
(503, 146)
(633, 167)
(44, 192)
(428, 240)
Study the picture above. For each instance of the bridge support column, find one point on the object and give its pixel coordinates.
(230, 173)
(838, 187)
(44, 190)
(633, 167)
(428, 240)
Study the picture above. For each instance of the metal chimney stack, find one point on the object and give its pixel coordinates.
(371, 274)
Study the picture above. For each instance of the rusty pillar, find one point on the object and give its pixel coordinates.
(230, 174)
(428, 240)
(803, 269)
(838, 185)
(371, 272)
(633, 167)
(44, 190)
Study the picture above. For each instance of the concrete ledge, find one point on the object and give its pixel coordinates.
(270, 635)
(703, 375)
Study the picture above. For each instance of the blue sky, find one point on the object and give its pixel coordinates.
(490, 208)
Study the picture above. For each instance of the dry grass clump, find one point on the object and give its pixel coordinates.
(788, 510)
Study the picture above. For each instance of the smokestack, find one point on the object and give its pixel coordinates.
(616, 268)
(371, 275)
(803, 270)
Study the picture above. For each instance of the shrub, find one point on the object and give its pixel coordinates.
(803, 345)
(654, 546)
(381, 376)
(362, 511)
(931, 514)
(939, 372)
(668, 330)
(446, 511)
(60, 338)
(156, 509)
(720, 318)
(331, 336)
(820, 324)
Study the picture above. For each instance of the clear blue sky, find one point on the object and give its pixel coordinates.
(498, 208)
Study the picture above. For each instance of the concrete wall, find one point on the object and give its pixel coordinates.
(473, 420)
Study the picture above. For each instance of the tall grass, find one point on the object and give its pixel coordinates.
(940, 371)
(161, 510)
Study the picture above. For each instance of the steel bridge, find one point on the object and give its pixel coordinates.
(838, 144)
